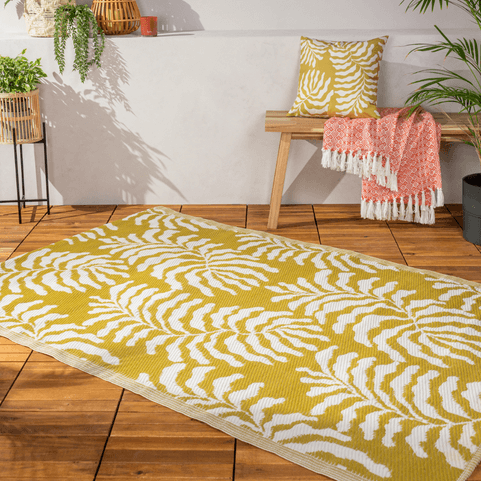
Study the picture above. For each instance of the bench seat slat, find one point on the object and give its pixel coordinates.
(276, 121)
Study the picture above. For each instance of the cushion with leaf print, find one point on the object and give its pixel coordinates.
(338, 79)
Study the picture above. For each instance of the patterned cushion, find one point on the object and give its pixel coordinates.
(338, 79)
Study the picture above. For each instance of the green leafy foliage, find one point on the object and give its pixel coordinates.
(444, 85)
(76, 22)
(19, 75)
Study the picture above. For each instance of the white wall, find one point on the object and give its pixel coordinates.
(180, 118)
(177, 15)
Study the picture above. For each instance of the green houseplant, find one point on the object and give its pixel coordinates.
(19, 75)
(77, 21)
(443, 85)
(19, 99)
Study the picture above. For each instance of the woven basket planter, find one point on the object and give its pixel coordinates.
(117, 17)
(39, 16)
(22, 112)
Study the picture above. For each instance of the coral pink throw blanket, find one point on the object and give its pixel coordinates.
(397, 158)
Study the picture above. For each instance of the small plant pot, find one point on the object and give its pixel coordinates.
(148, 26)
(472, 208)
(22, 112)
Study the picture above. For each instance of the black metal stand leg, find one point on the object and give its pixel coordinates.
(46, 167)
(16, 176)
(23, 175)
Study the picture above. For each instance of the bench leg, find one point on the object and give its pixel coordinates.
(279, 177)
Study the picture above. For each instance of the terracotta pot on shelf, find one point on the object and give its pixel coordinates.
(117, 17)
(148, 26)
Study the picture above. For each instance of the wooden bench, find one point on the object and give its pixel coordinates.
(307, 128)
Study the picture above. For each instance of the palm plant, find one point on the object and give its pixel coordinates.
(446, 86)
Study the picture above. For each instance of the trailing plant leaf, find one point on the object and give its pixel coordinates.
(76, 22)
(19, 74)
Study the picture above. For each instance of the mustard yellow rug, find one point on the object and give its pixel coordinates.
(351, 366)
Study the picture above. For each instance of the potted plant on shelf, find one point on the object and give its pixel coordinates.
(446, 86)
(77, 22)
(39, 16)
(19, 100)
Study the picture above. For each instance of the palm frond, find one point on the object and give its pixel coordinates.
(440, 76)
(469, 100)
(424, 5)
(468, 51)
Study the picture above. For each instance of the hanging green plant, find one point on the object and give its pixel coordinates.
(77, 21)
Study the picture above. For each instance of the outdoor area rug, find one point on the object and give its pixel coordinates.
(354, 367)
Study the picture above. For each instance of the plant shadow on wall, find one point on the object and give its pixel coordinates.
(173, 15)
(106, 160)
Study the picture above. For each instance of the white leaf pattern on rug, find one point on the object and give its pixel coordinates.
(354, 367)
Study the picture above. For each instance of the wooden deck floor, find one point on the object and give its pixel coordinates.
(58, 423)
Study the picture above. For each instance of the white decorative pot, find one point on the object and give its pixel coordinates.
(39, 16)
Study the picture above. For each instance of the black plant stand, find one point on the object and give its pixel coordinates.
(23, 200)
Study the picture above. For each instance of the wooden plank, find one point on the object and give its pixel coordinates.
(64, 222)
(439, 247)
(58, 423)
(14, 349)
(225, 443)
(158, 422)
(226, 214)
(181, 478)
(51, 457)
(11, 232)
(9, 370)
(295, 222)
(193, 477)
(370, 237)
(164, 471)
(14, 356)
(8, 373)
(162, 444)
(133, 403)
(169, 456)
(58, 406)
(30, 470)
(138, 419)
(254, 464)
(456, 210)
(124, 210)
(63, 390)
(39, 357)
(54, 370)
(4, 387)
(168, 429)
(277, 121)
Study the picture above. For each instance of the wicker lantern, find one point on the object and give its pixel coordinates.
(117, 17)
(22, 112)
(39, 16)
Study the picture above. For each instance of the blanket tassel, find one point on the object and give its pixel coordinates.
(366, 166)
(414, 211)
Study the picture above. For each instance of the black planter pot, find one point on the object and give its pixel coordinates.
(472, 208)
